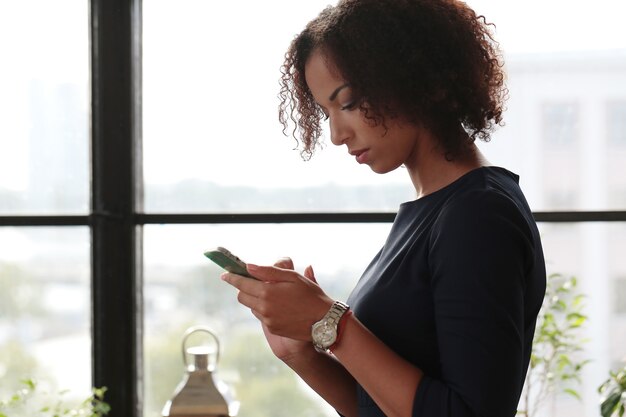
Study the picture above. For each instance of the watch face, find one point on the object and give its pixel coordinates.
(324, 335)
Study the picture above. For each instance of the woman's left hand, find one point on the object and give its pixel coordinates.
(286, 302)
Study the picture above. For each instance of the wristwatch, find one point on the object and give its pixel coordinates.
(325, 332)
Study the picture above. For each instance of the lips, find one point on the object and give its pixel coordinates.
(360, 155)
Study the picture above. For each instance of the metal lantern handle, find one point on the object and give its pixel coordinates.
(195, 329)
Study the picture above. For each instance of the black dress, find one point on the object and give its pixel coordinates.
(456, 290)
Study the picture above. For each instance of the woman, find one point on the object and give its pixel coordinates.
(444, 315)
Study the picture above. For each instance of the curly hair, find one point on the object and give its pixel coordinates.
(433, 62)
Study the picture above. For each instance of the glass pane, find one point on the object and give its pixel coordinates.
(212, 140)
(565, 88)
(45, 312)
(183, 289)
(44, 107)
(213, 143)
(616, 152)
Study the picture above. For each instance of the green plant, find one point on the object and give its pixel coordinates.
(555, 363)
(613, 392)
(31, 400)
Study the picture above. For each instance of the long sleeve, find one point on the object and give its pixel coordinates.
(480, 258)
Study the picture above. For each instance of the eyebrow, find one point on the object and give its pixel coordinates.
(337, 90)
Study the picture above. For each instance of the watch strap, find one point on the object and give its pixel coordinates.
(340, 329)
(336, 312)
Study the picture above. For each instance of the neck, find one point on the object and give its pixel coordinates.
(430, 170)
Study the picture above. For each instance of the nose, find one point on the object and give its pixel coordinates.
(339, 132)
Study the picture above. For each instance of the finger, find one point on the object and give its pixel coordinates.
(272, 273)
(257, 315)
(248, 300)
(285, 263)
(308, 272)
(243, 284)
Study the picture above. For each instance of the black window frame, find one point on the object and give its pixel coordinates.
(116, 217)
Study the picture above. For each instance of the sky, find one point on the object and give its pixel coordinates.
(210, 110)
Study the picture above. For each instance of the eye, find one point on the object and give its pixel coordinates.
(349, 106)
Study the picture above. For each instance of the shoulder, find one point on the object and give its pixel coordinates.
(488, 205)
(486, 228)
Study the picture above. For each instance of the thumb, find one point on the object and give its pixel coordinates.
(285, 263)
(308, 272)
(271, 273)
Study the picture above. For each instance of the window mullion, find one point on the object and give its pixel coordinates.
(116, 239)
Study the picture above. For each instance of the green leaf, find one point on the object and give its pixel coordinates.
(608, 405)
(578, 300)
(573, 393)
(29, 383)
(99, 392)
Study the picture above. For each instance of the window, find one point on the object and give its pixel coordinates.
(44, 308)
(182, 289)
(616, 152)
(211, 131)
(560, 123)
(44, 108)
(45, 311)
(619, 295)
(162, 189)
(616, 123)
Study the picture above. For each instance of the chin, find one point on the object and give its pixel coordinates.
(383, 169)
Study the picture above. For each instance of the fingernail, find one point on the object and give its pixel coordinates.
(252, 267)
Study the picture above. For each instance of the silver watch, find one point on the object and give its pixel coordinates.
(324, 332)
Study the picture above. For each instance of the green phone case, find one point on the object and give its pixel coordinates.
(227, 261)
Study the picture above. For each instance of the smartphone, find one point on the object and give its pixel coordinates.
(228, 261)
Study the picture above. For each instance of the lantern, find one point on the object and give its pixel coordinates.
(200, 393)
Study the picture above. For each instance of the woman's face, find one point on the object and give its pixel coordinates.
(382, 149)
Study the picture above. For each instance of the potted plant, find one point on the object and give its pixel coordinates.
(555, 363)
(32, 400)
(613, 391)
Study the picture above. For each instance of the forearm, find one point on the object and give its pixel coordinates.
(328, 378)
(389, 379)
